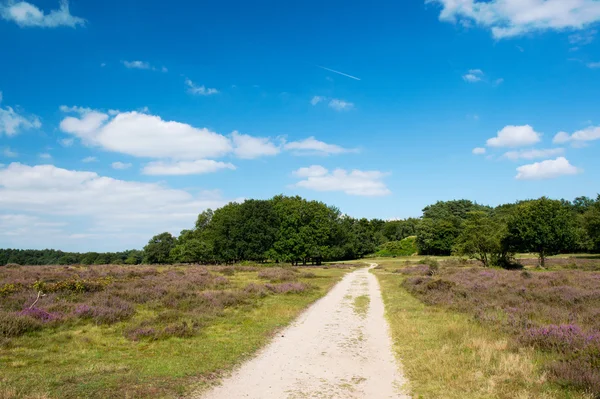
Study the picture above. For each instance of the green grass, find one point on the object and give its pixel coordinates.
(93, 361)
(447, 355)
(361, 305)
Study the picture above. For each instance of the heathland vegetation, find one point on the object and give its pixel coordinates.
(141, 331)
(297, 231)
(486, 322)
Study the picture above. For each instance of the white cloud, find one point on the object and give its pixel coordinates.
(248, 147)
(593, 65)
(515, 136)
(26, 14)
(142, 65)
(312, 146)
(479, 151)
(579, 137)
(68, 142)
(547, 170)
(126, 213)
(137, 64)
(45, 156)
(534, 154)
(509, 18)
(198, 167)
(7, 152)
(316, 99)
(120, 165)
(582, 39)
(356, 182)
(12, 122)
(89, 159)
(144, 135)
(311, 171)
(473, 76)
(498, 81)
(340, 105)
(199, 90)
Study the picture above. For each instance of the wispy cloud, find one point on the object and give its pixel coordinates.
(340, 105)
(339, 73)
(143, 65)
(121, 165)
(199, 90)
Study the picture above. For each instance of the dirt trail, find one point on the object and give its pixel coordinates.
(333, 350)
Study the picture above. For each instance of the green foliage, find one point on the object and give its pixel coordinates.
(481, 238)
(437, 236)
(159, 248)
(405, 247)
(591, 225)
(543, 226)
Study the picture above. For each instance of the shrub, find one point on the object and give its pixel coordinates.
(277, 274)
(287, 288)
(405, 247)
(14, 324)
(563, 338)
(40, 314)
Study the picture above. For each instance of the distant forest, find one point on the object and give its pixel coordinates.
(298, 231)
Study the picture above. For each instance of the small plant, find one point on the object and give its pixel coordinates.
(15, 324)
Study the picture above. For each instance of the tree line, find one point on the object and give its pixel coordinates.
(298, 231)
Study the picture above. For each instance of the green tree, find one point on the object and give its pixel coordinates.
(437, 236)
(591, 225)
(481, 238)
(543, 226)
(192, 251)
(159, 248)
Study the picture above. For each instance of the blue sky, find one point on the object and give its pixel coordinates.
(119, 121)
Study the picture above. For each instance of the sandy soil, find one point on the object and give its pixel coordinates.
(333, 350)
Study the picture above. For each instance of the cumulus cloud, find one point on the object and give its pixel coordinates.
(534, 154)
(120, 165)
(198, 167)
(355, 182)
(128, 210)
(144, 135)
(248, 147)
(340, 105)
(510, 18)
(548, 169)
(479, 151)
(199, 90)
(13, 122)
(515, 136)
(26, 14)
(578, 138)
(311, 171)
(473, 76)
(312, 146)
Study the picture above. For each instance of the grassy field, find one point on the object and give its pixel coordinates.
(141, 332)
(469, 332)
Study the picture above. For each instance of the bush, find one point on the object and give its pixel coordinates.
(277, 274)
(14, 324)
(405, 247)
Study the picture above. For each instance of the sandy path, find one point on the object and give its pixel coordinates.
(330, 351)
